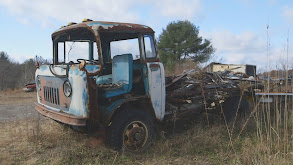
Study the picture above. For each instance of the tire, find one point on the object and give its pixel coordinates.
(230, 108)
(131, 131)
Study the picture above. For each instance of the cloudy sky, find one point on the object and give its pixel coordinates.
(240, 30)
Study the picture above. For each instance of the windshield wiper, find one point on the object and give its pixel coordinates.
(70, 50)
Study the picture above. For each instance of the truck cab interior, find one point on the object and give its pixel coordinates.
(123, 58)
(124, 68)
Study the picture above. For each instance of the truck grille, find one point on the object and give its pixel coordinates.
(51, 95)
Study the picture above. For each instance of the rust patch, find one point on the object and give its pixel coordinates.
(94, 121)
(94, 73)
(124, 27)
(62, 117)
(110, 26)
(45, 94)
(93, 112)
(154, 66)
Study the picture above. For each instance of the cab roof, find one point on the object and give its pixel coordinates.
(100, 26)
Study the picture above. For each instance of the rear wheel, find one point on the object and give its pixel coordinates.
(131, 131)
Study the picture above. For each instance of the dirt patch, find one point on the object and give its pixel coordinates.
(8, 98)
(17, 105)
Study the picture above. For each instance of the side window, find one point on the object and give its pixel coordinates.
(129, 46)
(61, 52)
(95, 53)
(149, 46)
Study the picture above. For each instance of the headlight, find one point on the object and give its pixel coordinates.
(38, 85)
(67, 89)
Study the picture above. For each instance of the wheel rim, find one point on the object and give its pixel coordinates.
(135, 136)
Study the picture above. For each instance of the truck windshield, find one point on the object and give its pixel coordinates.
(73, 50)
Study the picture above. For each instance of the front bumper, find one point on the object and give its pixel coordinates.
(61, 117)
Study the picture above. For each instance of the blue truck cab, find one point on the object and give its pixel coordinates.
(106, 74)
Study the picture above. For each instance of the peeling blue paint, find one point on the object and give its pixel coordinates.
(85, 99)
(75, 71)
(157, 104)
(79, 97)
(157, 89)
(91, 68)
(102, 24)
(121, 75)
(106, 79)
(44, 68)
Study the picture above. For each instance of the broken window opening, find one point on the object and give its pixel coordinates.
(129, 46)
(149, 46)
(70, 51)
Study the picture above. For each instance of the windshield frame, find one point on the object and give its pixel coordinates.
(70, 51)
(75, 34)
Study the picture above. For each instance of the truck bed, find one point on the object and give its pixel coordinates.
(197, 91)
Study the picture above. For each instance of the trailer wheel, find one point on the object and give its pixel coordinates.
(131, 131)
(230, 108)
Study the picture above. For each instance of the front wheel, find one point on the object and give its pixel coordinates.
(131, 131)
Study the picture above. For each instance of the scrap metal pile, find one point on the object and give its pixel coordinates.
(197, 90)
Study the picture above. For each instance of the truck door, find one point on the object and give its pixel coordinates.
(157, 91)
(156, 77)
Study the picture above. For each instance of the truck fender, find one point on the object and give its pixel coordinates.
(116, 107)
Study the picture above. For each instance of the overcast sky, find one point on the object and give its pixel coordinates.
(237, 28)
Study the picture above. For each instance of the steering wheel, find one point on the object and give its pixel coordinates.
(93, 61)
(79, 60)
(88, 61)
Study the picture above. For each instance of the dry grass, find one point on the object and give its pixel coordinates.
(266, 139)
(181, 67)
(38, 141)
(43, 141)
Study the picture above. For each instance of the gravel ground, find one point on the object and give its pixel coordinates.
(17, 105)
(13, 112)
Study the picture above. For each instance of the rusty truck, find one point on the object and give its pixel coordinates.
(107, 75)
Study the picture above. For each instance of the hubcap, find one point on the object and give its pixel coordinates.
(135, 136)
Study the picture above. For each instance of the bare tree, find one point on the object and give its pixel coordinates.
(13, 74)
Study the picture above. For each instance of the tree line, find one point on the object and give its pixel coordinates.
(14, 75)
